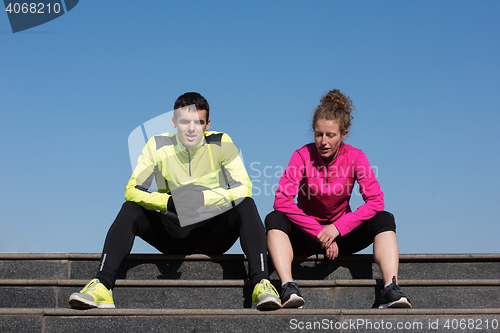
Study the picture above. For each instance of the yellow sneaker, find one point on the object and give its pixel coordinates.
(265, 296)
(93, 295)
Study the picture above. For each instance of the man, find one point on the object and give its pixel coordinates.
(203, 204)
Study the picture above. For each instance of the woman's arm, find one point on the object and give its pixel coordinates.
(371, 193)
(288, 190)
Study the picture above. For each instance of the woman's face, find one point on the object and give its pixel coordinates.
(328, 138)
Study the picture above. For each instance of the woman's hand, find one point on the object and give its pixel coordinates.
(326, 238)
(332, 251)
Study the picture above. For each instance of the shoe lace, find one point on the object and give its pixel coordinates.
(267, 288)
(293, 285)
(394, 285)
(92, 286)
(393, 288)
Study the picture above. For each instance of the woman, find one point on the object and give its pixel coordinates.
(321, 175)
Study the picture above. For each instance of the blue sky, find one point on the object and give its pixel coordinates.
(423, 76)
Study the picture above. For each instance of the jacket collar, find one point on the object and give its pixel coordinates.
(180, 149)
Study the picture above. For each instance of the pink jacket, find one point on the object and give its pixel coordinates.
(323, 192)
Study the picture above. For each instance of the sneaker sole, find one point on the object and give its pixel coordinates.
(400, 303)
(269, 304)
(78, 302)
(295, 301)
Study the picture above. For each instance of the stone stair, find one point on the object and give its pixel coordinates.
(198, 293)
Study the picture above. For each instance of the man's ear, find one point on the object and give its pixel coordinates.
(173, 122)
(208, 125)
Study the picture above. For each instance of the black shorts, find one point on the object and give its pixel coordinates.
(356, 240)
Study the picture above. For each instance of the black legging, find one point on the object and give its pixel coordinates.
(162, 230)
(355, 241)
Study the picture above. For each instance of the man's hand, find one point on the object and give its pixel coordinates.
(190, 199)
(326, 238)
(187, 202)
(171, 206)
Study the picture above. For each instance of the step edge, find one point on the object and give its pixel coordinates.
(246, 283)
(238, 257)
(242, 312)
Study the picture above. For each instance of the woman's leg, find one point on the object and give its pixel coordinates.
(386, 254)
(279, 246)
(281, 252)
(284, 241)
(379, 230)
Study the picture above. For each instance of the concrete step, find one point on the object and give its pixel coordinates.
(247, 320)
(158, 293)
(236, 294)
(221, 267)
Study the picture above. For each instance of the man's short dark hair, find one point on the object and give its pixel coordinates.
(191, 98)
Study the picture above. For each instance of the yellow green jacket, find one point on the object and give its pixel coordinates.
(213, 166)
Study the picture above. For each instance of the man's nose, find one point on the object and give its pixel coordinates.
(191, 126)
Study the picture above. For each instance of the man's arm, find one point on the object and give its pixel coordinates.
(142, 177)
(234, 173)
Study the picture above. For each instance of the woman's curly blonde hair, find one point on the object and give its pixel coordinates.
(335, 106)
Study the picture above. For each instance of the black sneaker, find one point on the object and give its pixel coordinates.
(291, 296)
(392, 297)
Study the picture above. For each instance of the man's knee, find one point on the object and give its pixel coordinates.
(247, 208)
(245, 203)
(130, 206)
(130, 211)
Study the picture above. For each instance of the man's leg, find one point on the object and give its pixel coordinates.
(132, 220)
(253, 243)
(253, 240)
(220, 233)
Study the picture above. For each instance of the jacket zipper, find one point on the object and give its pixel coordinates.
(326, 176)
(328, 165)
(189, 158)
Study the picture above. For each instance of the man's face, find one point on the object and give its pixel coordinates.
(190, 124)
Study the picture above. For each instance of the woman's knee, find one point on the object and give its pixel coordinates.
(274, 218)
(385, 221)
